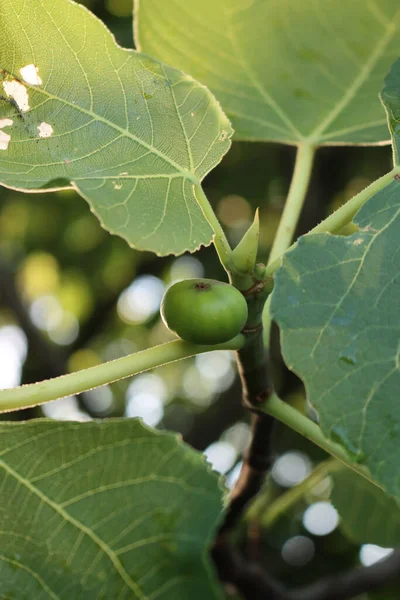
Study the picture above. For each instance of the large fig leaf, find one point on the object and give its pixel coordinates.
(283, 70)
(104, 510)
(133, 136)
(337, 302)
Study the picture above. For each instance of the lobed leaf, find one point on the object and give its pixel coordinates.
(336, 301)
(284, 71)
(132, 136)
(104, 510)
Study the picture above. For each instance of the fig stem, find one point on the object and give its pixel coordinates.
(253, 369)
(294, 201)
(221, 243)
(285, 413)
(81, 381)
(343, 215)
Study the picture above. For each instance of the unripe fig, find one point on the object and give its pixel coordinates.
(204, 311)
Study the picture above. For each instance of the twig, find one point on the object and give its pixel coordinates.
(255, 389)
(256, 463)
(353, 583)
(249, 579)
(253, 583)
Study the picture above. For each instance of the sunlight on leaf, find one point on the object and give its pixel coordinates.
(131, 135)
(283, 71)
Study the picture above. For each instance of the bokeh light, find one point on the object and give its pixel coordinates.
(321, 518)
(209, 375)
(65, 409)
(233, 476)
(185, 267)
(216, 368)
(46, 312)
(13, 349)
(198, 390)
(234, 211)
(239, 436)
(145, 398)
(298, 551)
(100, 401)
(147, 407)
(291, 468)
(141, 300)
(39, 274)
(67, 331)
(370, 554)
(221, 456)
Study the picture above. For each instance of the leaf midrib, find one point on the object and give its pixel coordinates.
(125, 132)
(317, 134)
(292, 129)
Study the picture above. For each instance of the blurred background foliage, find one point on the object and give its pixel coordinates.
(72, 296)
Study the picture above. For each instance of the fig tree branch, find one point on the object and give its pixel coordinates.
(256, 463)
(253, 583)
(255, 389)
(352, 584)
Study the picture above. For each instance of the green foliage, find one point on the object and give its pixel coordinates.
(131, 135)
(300, 71)
(367, 514)
(104, 510)
(112, 509)
(335, 301)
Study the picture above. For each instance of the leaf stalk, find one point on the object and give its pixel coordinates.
(295, 200)
(284, 412)
(81, 381)
(343, 215)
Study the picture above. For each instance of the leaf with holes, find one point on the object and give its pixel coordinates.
(133, 136)
(336, 301)
(284, 71)
(104, 510)
(367, 514)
